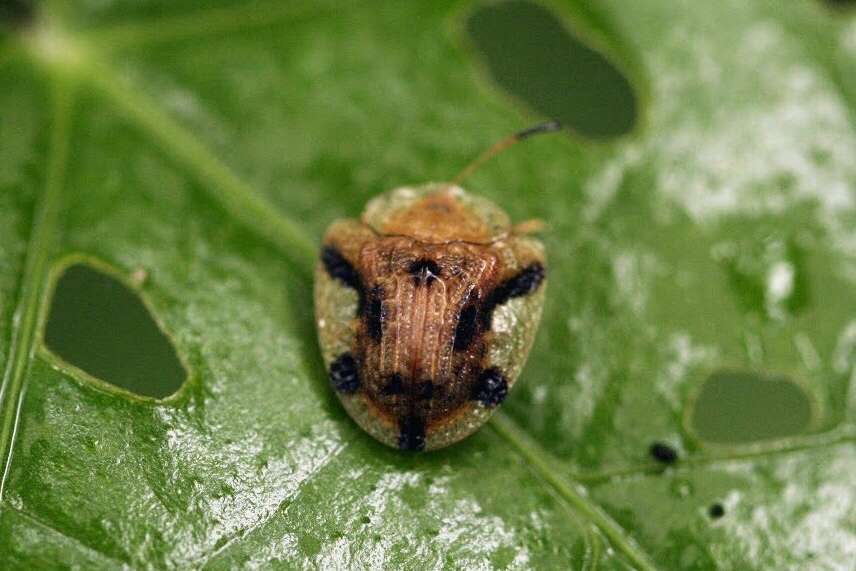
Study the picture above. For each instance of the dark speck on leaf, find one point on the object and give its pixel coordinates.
(716, 511)
(662, 452)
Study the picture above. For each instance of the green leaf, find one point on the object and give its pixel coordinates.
(206, 146)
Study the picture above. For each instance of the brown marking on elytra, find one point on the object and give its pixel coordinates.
(438, 218)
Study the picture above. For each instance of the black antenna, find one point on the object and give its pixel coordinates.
(502, 144)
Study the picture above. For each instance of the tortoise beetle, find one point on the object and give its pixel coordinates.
(426, 309)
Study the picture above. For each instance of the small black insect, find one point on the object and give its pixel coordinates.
(664, 453)
(716, 511)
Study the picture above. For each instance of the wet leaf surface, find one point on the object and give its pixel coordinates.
(204, 149)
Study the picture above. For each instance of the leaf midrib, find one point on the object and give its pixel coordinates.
(34, 277)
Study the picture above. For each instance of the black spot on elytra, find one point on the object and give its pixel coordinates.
(716, 511)
(394, 385)
(345, 374)
(424, 390)
(340, 269)
(467, 327)
(491, 388)
(373, 309)
(411, 433)
(662, 452)
(419, 391)
(424, 271)
(523, 283)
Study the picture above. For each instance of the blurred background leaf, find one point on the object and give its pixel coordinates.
(176, 162)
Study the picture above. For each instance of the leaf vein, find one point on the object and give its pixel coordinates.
(40, 523)
(790, 446)
(201, 23)
(218, 180)
(571, 492)
(26, 317)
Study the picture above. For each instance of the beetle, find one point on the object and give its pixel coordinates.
(426, 309)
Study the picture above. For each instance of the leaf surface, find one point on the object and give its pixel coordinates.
(206, 148)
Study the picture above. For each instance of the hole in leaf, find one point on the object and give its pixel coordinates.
(532, 56)
(744, 406)
(100, 326)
